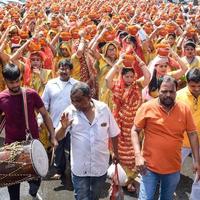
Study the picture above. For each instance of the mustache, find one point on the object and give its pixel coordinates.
(168, 98)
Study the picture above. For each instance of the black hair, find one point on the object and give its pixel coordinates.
(11, 72)
(193, 75)
(47, 11)
(126, 70)
(14, 47)
(101, 44)
(186, 10)
(153, 85)
(172, 34)
(123, 34)
(132, 39)
(165, 79)
(110, 15)
(190, 43)
(96, 21)
(83, 87)
(118, 32)
(65, 62)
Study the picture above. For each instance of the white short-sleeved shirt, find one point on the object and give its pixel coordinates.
(89, 142)
(56, 97)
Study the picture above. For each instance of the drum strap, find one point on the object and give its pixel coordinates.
(28, 132)
(2, 123)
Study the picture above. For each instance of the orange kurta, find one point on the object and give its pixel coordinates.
(163, 134)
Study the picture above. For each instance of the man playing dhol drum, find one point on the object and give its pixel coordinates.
(11, 104)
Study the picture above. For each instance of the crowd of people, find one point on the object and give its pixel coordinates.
(104, 77)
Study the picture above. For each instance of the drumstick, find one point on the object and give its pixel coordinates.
(52, 156)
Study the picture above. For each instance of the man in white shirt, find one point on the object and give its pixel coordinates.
(56, 98)
(90, 124)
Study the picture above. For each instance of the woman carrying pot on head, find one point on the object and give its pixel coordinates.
(159, 67)
(127, 98)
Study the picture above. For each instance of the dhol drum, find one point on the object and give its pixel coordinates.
(22, 161)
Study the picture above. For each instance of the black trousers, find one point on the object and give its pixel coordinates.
(60, 154)
(14, 190)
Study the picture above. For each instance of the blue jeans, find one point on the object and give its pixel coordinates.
(150, 180)
(88, 188)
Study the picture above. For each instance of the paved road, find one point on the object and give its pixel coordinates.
(54, 190)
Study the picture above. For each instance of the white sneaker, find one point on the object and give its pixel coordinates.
(38, 197)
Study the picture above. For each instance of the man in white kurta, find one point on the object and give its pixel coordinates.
(90, 124)
(56, 98)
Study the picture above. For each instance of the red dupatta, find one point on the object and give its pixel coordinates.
(121, 95)
(128, 47)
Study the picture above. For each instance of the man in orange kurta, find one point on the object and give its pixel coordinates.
(164, 122)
